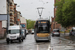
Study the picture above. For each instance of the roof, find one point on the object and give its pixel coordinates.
(43, 19)
(14, 27)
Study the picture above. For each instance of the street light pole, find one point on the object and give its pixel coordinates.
(40, 13)
(7, 16)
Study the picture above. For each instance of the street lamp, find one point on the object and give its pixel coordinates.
(7, 16)
(40, 13)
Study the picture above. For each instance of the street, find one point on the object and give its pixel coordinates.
(57, 43)
(62, 43)
(25, 23)
(28, 44)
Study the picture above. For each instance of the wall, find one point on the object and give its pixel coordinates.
(54, 24)
(3, 7)
(23, 21)
(3, 10)
(0, 25)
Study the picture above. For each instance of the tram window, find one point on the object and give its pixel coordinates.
(43, 29)
(40, 29)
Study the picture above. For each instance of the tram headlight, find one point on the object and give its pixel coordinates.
(37, 34)
(48, 34)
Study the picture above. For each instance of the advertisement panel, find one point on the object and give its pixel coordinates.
(23, 25)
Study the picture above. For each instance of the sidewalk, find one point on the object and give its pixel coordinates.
(66, 34)
(2, 41)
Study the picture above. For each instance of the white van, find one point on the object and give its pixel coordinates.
(14, 33)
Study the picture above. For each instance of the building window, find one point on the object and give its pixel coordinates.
(11, 10)
(10, 14)
(10, 4)
(23, 25)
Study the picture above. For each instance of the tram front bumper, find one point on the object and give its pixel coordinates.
(42, 38)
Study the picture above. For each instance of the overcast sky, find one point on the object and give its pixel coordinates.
(28, 8)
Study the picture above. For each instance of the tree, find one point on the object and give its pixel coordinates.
(30, 24)
(65, 14)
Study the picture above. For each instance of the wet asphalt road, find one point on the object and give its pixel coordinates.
(57, 43)
(28, 44)
(62, 43)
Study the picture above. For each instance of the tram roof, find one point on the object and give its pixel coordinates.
(42, 19)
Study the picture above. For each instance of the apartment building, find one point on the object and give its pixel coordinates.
(11, 12)
(8, 9)
(15, 14)
(18, 17)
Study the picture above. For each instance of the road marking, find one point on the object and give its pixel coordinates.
(49, 47)
(65, 47)
(31, 49)
(37, 47)
(69, 47)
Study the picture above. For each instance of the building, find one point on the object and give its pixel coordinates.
(18, 17)
(54, 24)
(15, 14)
(3, 14)
(8, 13)
(23, 22)
(11, 12)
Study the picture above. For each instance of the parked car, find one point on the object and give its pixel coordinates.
(26, 31)
(32, 31)
(23, 31)
(72, 31)
(56, 32)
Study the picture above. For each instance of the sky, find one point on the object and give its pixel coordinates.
(28, 8)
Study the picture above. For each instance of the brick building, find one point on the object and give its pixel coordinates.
(18, 17)
(8, 7)
(11, 12)
(15, 14)
(54, 24)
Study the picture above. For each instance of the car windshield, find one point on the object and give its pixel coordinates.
(73, 30)
(13, 31)
(32, 29)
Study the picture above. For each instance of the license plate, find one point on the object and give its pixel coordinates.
(13, 37)
(56, 33)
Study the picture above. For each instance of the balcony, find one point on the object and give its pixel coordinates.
(10, 1)
(11, 17)
(11, 23)
(12, 8)
(11, 20)
(11, 13)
